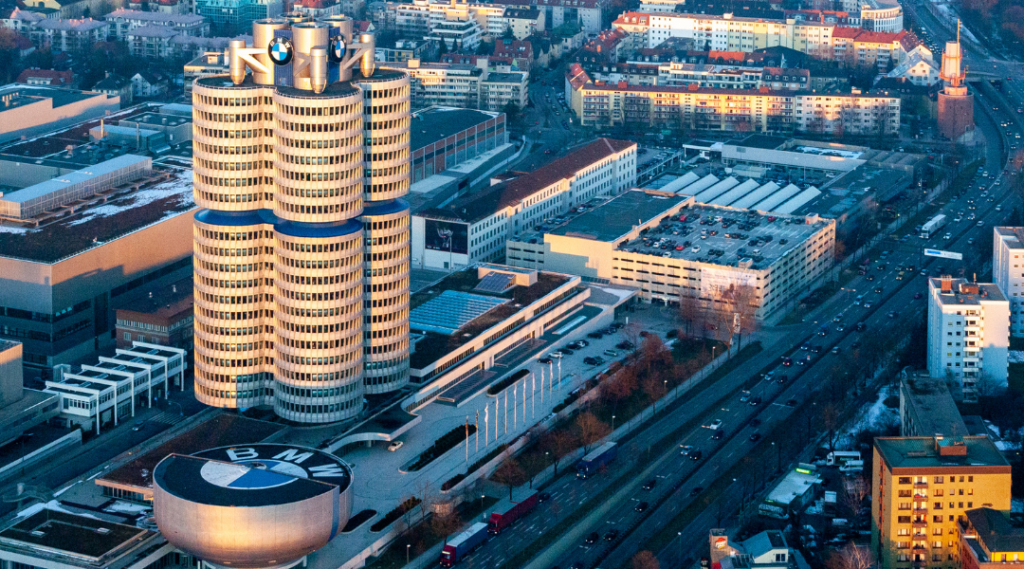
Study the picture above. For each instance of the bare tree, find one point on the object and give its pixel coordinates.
(851, 557)
(427, 497)
(645, 560)
(654, 388)
(631, 333)
(653, 352)
(591, 429)
(557, 444)
(509, 474)
(446, 524)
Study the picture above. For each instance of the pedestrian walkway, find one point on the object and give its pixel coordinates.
(168, 418)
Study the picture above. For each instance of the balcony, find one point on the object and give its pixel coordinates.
(920, 524)
(920, 484)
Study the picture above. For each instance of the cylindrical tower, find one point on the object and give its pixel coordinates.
(387, 229)
(302, 261)
(233, 282)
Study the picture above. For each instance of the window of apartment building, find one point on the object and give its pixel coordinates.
(904, 480)
(905, 519)
(936, 519)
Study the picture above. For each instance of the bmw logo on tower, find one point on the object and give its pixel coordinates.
(337, 51)
(280, 50)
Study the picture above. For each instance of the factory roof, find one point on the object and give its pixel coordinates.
(483, 204)
(933, 453)
(437, 123)
(65, 533)
(19, 95)
(72, 178)
(795, 484)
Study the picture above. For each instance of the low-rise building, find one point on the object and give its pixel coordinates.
(919, 68)
(968, 335)
(1008, 272)
(794, 492)
(162, 316)
(524, 22)
(20, 408)
(498, 90)
(31, 110)
(922, 486)
(474, 228)
(661, 242)
(765, 550)
(108, 391)
(990, 540)
(49, 77)
(442, 138)
(148, 84)
(587, 14)
(115, 86)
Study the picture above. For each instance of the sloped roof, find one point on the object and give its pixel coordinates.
(56, 78)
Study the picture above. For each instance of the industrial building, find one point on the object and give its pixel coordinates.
(443, 137)
(794, 492)
(671, 249)
(922, 487)
(30, 110)
(47, 196)
(20, 408)
(1007, 252)
(325, 211)
(474, 228)
(968, 335)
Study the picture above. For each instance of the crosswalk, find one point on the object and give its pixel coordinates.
(168, 417)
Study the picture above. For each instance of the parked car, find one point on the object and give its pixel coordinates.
(395, 445)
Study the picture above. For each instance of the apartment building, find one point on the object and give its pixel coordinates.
(475, 228)
(1008, 272)
(989, 539)
(498, 90)
(524, 22)
(463, 85)
(418, 18)
(458, 35)
(124, 21)
(625, 241)
(586, 14)
(68, 35)
(968, 335)
(744, 110)
(923, 487)
(856, 47)
(918, 68)
(876, 15)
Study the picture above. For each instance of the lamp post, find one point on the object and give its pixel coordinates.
(613, 422)
(407, 546)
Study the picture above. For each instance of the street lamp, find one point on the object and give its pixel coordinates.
(613, 423)
(407, 546)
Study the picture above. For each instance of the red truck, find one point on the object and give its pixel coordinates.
(507, 512)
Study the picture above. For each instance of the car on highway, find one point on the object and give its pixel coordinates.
(840, 327)
(787, 361)
(611, 534)
(754, 437)
(815, 349)
(641, 507)
(878, 290)
(754, 402)
(713, 425)
(593, 538)
(836, 349)
(543, 497)
(870, 278)
(892, 314)
(868, 304)
(718, 435)
(696, 490)
(791, 403)
(650, 484)
(696, 454)
(981, 223)
(755, 422)
(685, 450)
(137, 428)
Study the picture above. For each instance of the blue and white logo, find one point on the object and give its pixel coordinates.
(337, 50)
(280, 50)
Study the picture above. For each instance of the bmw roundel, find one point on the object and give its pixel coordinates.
(280, 50)
(337, 50)
(264, 466)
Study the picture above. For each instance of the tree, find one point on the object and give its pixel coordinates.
(654, 389)
(591, 429)
(446, 524)
(654, 353)
(621, 386)
(510, 474)
(645, 560)
(851, 557)
(557, 444)
(631, 333)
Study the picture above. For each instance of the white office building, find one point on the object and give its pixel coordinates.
(1008, 272)
(968, 335)
(475, 228)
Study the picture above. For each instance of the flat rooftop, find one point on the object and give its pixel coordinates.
(59, 183)
(437, 123)
(616, 217)
(98, 223)
(793, 485)
(221, 430)
(962, 292)
(1013, 237)
(164, 302)
(933, 405)
(725, 236)
(28, 94)
(433, 346)
(159, 119)
(79, 535)
(927, 452)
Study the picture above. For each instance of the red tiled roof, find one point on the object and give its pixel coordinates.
(55, 77)
(563, 3)
(865, 36)
(633, 18)
(361, 26)
(576, 76)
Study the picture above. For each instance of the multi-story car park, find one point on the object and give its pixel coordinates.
(921, 489)
(474, 228)
(968, 335)
(301, 250)
(671, 249)
(1008, 272)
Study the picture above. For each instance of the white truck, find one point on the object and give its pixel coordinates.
(934, 225)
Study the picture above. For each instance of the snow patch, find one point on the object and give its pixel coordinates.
(1017, 505)
(65, 489)
(52, 505)
(179, 186)
(876, 417)
(127, 508)
(13, 229)
(1015, 357)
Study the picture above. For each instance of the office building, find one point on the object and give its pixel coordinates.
(474, 228)
(230, 18)
(968, 336)
(922, 487)
(989, 539)
(162, 316)
(324, 209)
(20, 408)
(651, 240)
(1008, 272)
(587, 14)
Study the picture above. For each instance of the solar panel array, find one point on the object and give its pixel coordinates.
(451, 310)
(495, 282)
